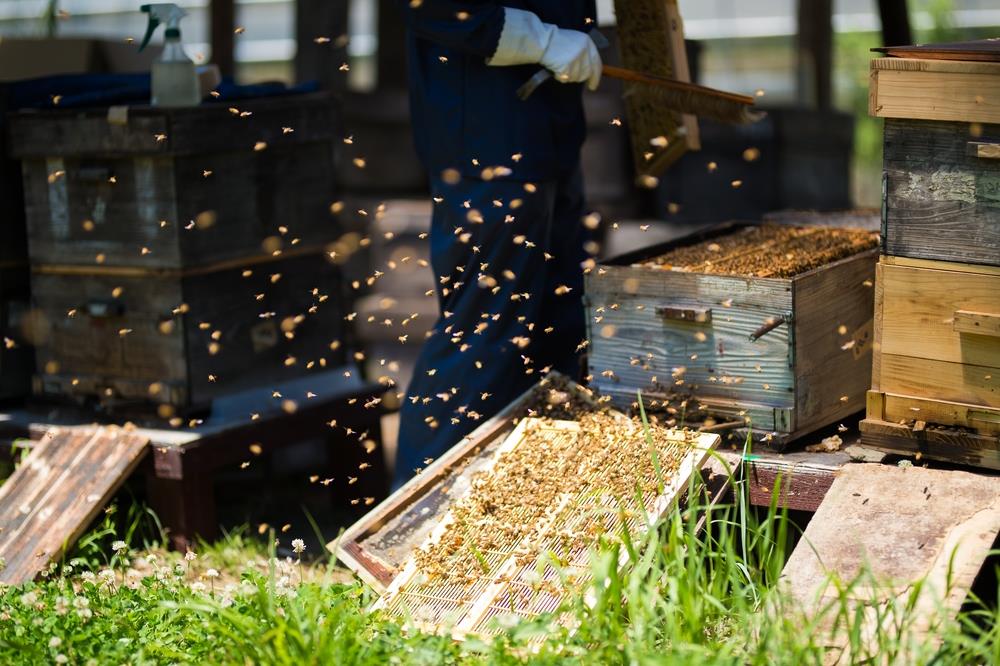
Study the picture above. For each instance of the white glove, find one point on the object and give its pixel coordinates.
(569, 54)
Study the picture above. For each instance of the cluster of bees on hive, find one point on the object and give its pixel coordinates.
(768, 250)
(524, 506)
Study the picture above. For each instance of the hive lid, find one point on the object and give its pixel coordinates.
(982, 50)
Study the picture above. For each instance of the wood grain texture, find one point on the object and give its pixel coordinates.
(178, 211)
(833, 340)
(651, 38)
(941, 530)
(918, 313)
(909, 409)
(948, 444)
(63, 484)
(977, 323)
(96, 341)
(932, 94)
(941, 202)
(940, 380)
(794, 379)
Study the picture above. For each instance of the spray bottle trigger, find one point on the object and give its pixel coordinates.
(154, 23)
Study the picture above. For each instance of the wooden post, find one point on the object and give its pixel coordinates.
(815, 53)
(895, 23)
(321, 61)
(222, 21)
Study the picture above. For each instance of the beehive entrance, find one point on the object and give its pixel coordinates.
(517, 544)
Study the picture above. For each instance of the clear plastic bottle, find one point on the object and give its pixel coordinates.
(175, 81)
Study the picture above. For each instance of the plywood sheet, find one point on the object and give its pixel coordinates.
(57, 491)
(937, 525)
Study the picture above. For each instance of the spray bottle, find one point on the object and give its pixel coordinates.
(175, 81)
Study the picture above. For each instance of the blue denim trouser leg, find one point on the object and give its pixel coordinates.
(507, 262)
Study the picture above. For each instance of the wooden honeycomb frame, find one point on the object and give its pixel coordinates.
(651, 38)
(507, 583)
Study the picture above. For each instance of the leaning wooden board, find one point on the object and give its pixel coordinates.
(673, 333)
(942, 526)
(57, 491)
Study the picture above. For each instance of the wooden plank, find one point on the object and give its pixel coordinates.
(977, 323)
(833, 340)
(953, 445)
(796, 481)
(940, 201)
(935, 526)
(933, 93)
(907, 408)
(918, 314)
(59, 489)
(940, 380)
(940, 265)
(222, 21)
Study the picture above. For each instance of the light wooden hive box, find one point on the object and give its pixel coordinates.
(936, 374)
(792, 355)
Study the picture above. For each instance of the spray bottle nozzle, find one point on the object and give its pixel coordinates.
(164, 12)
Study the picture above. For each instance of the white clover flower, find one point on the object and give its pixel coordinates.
(29, 598)
(298, 545)
(107, 575)
(190, 556)
(61, 659)
(151, 558)
(198, 586)
(55, 642)
(81, 602)
(85, 613)
(212, 573)
(61, 605)
(88, 577)
(119, 546)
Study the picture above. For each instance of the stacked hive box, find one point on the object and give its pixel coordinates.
(178, 254)
(936, 375)
(745, 323)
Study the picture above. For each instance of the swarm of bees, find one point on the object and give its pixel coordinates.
(768, 250)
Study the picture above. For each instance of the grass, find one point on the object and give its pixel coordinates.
(703, 587)
(705, 597)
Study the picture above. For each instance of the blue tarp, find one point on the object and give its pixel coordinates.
(89, 90)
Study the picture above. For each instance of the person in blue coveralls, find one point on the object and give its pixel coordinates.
(507, 235)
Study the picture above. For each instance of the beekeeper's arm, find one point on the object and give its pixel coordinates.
(506, 36)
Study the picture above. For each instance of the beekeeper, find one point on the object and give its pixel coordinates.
(507, 235)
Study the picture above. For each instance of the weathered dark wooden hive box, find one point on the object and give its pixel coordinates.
(182, 338)
(791, 354)
(175, 188)
(936, 371)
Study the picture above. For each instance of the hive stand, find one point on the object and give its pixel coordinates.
(184, 462)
